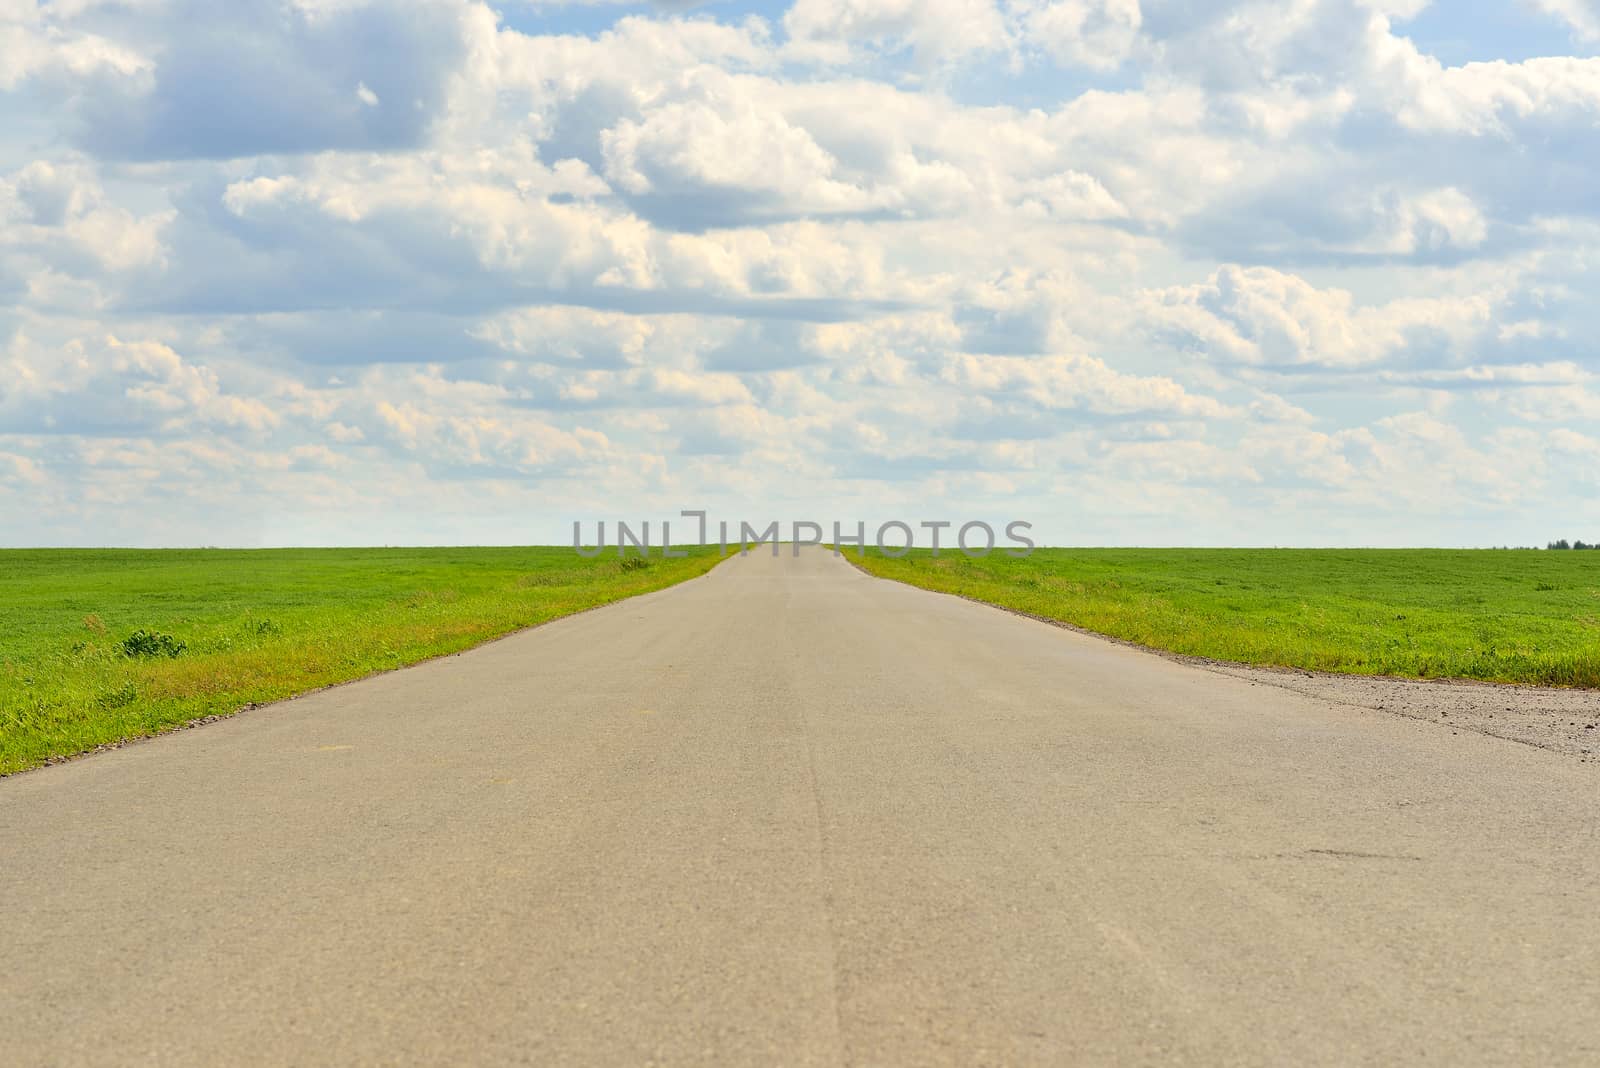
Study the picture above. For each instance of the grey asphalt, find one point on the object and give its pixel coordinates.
(790, 814)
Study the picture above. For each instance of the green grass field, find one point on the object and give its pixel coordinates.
(1519, 616)
(256, 626)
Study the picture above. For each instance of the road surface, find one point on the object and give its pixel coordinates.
(790, 814)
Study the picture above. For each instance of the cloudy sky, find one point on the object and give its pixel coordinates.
(1140, 271)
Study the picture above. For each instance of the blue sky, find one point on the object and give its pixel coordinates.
(1295, 272)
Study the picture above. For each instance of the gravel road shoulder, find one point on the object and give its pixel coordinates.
(1566, 721)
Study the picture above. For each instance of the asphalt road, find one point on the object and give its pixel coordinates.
(789, 814)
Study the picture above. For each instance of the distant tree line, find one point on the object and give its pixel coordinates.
(1565, 544)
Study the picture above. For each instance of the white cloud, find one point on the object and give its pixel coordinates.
(1187, 262)
(1072, 195)
(1262, 316)
(89, 384)
(39, 41)
(1445, 218)
(58, 215)
(716, 140)
(1097, 34)
(1491, 99)
(1078, 382)
(935, 32)
(1582, 15)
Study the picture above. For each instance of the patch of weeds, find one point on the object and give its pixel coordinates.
(93, 624)
(565, 577)
(633, 563)
(1544, 587)
(148, 643)
(121, 697)
(267, 627)
(429, 598)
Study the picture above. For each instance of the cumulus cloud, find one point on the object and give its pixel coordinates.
(1582, 15)
(1078, 382)
(58, 217)
(934, 32)
(1262, 316)
(716, 141)
(256, 77)
(1181, 262)
(93, 386)
(41, 42)
(1097, 34)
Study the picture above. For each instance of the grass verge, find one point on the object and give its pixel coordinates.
(99, 646)
(1514, 616)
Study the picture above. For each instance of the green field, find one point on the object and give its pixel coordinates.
(252, 626)
(1522, 616)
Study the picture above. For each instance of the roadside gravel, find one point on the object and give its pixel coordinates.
(1566, 721)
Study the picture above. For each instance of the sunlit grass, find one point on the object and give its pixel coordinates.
(1518, 616)
(257, 626)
